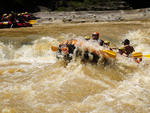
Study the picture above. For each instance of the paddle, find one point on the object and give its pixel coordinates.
(137, 55)
(32, 21)
(147, 56)
(5, 23)
(109, 53)
(140, 55)
(112, 54)
(106, 53)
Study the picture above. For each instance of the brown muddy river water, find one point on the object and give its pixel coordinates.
(32, 80)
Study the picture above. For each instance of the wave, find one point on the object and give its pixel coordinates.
(46, 84)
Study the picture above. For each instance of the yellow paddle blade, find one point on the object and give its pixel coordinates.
(32, 21)
(137, 54)
(5, 23)
(140, 55)
(109, 53)
(147, 56)
(54, 48)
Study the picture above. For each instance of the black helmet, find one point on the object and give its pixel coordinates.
(126, 42)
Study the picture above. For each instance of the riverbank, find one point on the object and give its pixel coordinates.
(92, 16)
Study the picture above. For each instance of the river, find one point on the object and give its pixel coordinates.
(32, 80)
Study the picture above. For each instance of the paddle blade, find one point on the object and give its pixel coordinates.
(54, 48)
(5, 23)
(32, 21)
(147, 56)
(137, 55)
(109, 53)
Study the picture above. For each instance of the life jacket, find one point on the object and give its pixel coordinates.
(126, 49)
(71, 45)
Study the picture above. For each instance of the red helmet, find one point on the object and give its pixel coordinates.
(95, 33)
(95, 36)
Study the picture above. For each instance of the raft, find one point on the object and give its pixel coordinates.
(70, 49)
(9, 24)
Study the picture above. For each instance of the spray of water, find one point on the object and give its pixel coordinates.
(32, 80)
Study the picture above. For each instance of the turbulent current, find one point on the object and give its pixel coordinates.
(32, 80)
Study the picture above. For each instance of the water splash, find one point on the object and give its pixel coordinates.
(33, 80)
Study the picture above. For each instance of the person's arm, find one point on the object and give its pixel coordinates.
(114, 48)
(121, 51)
(101, 42)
